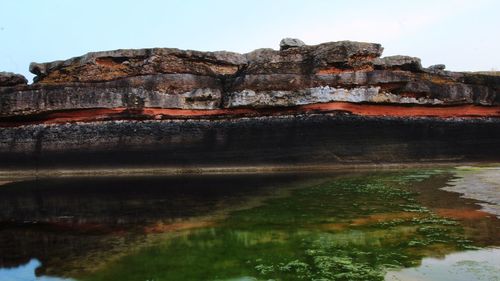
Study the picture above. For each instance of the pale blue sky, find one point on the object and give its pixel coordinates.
(464, 35)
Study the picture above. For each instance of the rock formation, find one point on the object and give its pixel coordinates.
(206, 100)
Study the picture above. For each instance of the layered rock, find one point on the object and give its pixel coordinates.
(296, 75)
(8, 79)
(334, 79)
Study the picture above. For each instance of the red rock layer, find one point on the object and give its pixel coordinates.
(369, 110)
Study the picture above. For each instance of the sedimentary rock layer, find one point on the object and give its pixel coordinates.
(170, 78)
(226, 93)
(285, 140)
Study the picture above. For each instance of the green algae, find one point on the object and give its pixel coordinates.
(351, 227)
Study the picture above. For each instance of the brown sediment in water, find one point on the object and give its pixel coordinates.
(462, 214)
(163, 232)
(161, 227)
(479, 225)
(372, 219)
(384, 217)
(467, 180)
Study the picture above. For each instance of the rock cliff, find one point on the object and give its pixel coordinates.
(102, 95)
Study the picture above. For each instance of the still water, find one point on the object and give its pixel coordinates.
(408, 224)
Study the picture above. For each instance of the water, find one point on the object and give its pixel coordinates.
(362, 225)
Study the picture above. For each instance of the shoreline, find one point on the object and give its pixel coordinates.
(222, 170)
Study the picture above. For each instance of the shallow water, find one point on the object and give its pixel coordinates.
(370, 225)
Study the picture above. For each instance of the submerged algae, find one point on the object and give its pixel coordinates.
(351, 227)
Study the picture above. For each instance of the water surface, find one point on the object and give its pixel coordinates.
(346, 225)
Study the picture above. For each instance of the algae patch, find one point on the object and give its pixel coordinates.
(351, 227)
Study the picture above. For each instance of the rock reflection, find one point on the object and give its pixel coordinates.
(344, 226)
(27, 272)
(96, 220)
(480, 265)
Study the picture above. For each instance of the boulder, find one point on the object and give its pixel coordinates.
(437, 67)
(8, 79)
(287, 43)
(399, 62)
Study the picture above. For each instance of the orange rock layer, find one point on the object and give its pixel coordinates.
(368, 110)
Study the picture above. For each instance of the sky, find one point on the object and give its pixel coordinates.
(464, 35)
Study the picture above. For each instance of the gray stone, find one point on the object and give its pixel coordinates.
(181, 91)
(399, 62)
(337, 55)
(287, 43)
(437, 67)
(322, 94)
(262, 55)
(118, 64)
(8, 79)
(184, 79)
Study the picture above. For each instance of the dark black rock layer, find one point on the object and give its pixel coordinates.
(286, 140)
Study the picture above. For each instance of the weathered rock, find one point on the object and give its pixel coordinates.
(184, 91)
(313, 139)
(8, 79)
(437, 67)
(326, 58)
(399, 63)
(159, 78)
(345, 55)
(287, 43)
(332, 103)
(262, 99)
(112, 65)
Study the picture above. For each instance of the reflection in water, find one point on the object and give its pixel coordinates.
(464, 266)
(345, 226)
(91, 221)
(26, 272)
(478, 183)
